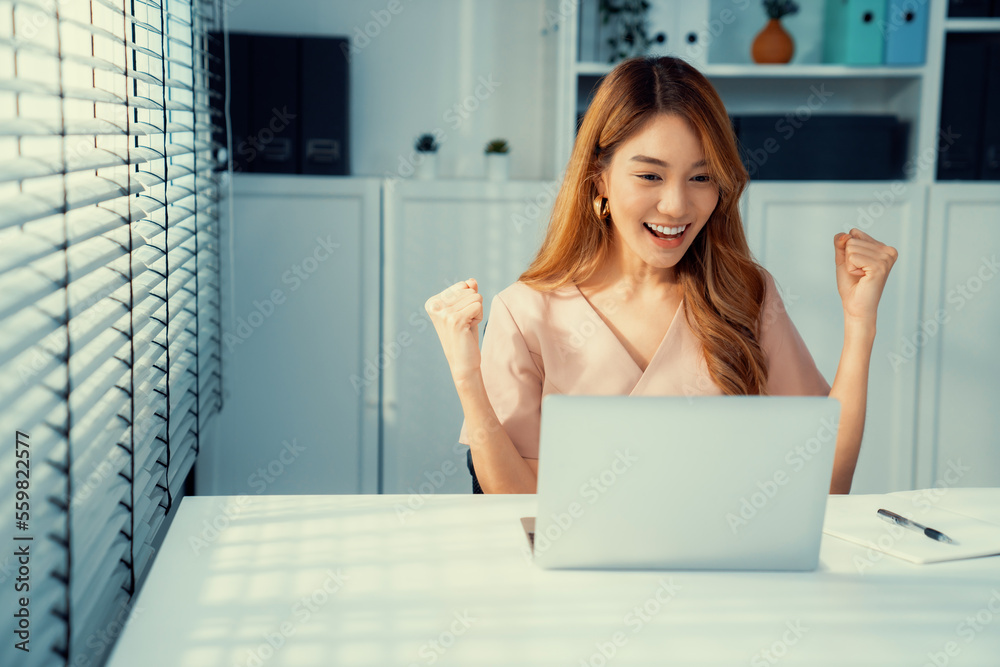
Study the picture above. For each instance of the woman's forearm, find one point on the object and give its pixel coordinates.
(499, 466)
(850, 387)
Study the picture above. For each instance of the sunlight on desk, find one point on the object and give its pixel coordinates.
(313, 581)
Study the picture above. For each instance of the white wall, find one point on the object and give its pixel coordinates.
(422, 68)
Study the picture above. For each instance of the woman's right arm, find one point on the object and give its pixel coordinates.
(499, 466)
(456, 313)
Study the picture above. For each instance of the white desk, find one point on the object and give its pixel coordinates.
(450, 584)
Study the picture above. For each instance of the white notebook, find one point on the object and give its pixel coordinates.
(971, 517)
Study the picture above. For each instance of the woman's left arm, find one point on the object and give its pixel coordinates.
(863, 265)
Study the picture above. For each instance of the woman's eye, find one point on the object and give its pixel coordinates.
(653, 177)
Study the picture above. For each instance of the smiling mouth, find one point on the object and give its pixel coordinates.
(665, 233)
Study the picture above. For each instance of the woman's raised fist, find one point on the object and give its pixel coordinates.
(456, 313)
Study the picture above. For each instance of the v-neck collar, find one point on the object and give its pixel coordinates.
(618, 343)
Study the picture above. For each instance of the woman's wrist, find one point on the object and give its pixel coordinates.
(469, 381)
(859, 329)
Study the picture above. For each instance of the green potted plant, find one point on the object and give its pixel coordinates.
(623, 27)
(426, 158)
(497, 160)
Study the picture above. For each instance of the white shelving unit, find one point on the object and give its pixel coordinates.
(910, 92)
(972, 25)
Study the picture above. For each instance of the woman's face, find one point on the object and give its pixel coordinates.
(657, 177)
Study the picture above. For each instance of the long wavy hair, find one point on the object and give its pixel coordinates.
(723, 284)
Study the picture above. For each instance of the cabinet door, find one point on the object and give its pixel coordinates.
(300, 316)
(959, 408)
(436, 234)
(791, 227)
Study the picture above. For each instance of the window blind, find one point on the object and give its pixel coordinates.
(109, 303)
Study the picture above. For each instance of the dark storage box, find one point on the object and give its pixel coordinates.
(289, 102)
(822, 147)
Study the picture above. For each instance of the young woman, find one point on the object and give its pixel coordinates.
(645, 285)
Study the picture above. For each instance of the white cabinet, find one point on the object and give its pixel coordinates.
(336, 355)
(934, 387)
(300, 319)
(436, 234)
(957, 339)
(790, 228)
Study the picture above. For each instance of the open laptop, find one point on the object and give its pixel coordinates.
(673, 482)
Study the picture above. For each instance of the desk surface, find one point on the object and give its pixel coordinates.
(365, 580)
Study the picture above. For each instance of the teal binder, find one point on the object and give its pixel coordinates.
(906, 32)
(853, 32)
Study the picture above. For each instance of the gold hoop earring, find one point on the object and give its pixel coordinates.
(602, 208)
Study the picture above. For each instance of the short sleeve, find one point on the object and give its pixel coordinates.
(512, 379)
(791, 370)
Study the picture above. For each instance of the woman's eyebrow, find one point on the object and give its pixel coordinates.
(661, 163)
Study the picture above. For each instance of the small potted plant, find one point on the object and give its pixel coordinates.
(623, 29)
(497, 160)
(773, 44)
(426, 157)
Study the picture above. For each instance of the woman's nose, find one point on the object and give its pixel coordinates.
(673, 201)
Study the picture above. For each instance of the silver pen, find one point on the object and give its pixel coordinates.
(909, 523)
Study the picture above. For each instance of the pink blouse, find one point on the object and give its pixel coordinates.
(540, 343)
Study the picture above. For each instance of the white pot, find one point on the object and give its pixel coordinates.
(497, 166)
(426, 166)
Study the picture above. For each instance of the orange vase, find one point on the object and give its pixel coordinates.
(772, 44)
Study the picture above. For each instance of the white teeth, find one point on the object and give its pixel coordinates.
(667, 230)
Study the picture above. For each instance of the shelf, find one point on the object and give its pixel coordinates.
(972, 25)
(781, 71)
(818, 70)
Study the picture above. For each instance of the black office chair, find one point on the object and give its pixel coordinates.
(472, 471)
(468, 455)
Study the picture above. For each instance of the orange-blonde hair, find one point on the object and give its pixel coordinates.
(723, 284)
